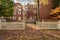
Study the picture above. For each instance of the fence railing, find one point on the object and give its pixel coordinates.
(47, 25)
(12, 25)
(21, 25)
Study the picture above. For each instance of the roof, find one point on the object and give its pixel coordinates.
(18, 4)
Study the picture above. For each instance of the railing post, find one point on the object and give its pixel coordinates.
(0, 24)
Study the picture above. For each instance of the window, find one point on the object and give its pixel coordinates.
(26, 8)
(19, 12)
(19, 9)
(14, 17)
(31, 18)
(34, 11)
(19, 18)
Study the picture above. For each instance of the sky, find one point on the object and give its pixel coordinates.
(30, 1)
(24, 1)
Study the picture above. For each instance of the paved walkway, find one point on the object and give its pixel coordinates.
(34, 27)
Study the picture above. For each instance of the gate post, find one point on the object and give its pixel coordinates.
(0, 24)
(59, 24)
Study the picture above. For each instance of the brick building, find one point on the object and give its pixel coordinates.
(18, 12)
(31, 11)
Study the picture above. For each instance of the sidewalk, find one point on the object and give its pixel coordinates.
(34, 27)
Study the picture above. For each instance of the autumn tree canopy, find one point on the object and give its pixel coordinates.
(56, 12)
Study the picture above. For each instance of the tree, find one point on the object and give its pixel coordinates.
(56, 13)
(6, 8)
(55, 3)
(38, 8)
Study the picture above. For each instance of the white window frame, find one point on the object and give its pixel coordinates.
(14, 17)
(19, 18)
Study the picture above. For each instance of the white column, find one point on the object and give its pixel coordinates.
(0, 24)
(59, 24)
